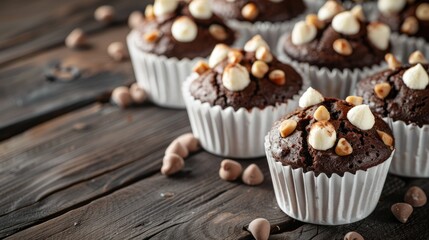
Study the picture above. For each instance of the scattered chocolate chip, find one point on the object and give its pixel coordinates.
(415, 196)
(189, 141)
(137, 94)
(260, 229)
(76, 39)
(230, 170)
(171, 164)
(105, 14)
(253, 175)
(353, 236)
(117, 51)
(121, 96)
(177, 148)
(55, 72)
(402, 211)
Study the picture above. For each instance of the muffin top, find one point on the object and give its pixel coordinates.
(245, 78)
(408, 17)
(335, 38)
(330, 136)
(182, 29)
(258, 10)
(400, 92)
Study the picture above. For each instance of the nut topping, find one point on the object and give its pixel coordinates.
(250, 11)
(392, 61)
(343, 148)
(201, 67)
(277, 77)
(381, 90)
(342, 47)
(264, 54)
(287, 127)
(386, 138)
(417, 57)
(151, 36)
(410, 26)
(259, 69)
(218, 32)
(234, 56)
(355, 100)
(422, 12)
(312, 19)
(322, 114)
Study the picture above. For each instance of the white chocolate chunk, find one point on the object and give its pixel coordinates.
(162, 7)
(379, 34)
(416, 77)
(219, 53)
(329, 10)
(235, 77)
(303, 33)
(346, 23)
(184, 29)
(310, 97)
(200, 9)
(322, 136)
(361, 117)
(391, 6)
(253, 44)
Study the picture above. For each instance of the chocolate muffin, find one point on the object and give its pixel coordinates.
(258, 10)
(247, 78)
(408, 17)
(400, 92)
(180, 29)
(338, 39)
(330, 136)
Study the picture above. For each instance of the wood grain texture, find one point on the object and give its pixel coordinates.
(27, 98)
(53, 167)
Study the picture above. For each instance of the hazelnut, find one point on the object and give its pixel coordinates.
(422, 12)
(234, 56)
(322, 114)
(342, 47)
(104, 14)
(386, 138)
(189, 141)
(135, 19)
(355, 100)
(260, 229)
(312, 19)
(177, 147)
(287, 127)
(392, 61)
(230, 170)
(117, 51)
(263, 53)
(151, 36)
(137, 94)
(417, 57)
(259, 69)
(121, 96)
(171, 164)
(253, 175)
(277, 77)
(381, 90)
(250, 11)
(343, 148)
(218, 32)
(76, 39)
(410, 26)
(201, 67)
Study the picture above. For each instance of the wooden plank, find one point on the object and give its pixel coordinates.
(29, 27)
(104, 182)
(27, 98)
(53, 168)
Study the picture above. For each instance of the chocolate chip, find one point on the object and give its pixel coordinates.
(56, 72)
(416, 197)
(353, 236)
(402, 211)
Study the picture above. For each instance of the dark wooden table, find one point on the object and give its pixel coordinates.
(103, 181)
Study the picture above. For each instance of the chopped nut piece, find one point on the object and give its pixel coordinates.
(151, 36)
(422, 12)
(201, 67)
(117, 51)
(250, 11)
(149, 12)
(76, 39)
(277, 77)
(253, 175)
(392, 61)
(264, 54)
(417, 57)
(322, 114)
(104, 14)
(355, 100)
(230, 170)
(312, 19)
(386, 138)
(410, 26)
(343, 148)
(177, 147)
(343, 47)
(218, 32)
(287, 127)
(259, 69)
(381, 90)
(235, 56)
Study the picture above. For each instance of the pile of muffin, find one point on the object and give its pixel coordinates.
(247, 96)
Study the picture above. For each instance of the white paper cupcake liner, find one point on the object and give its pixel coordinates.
(230, 133)
(403, 46)
(412, 149)
(333, 83)
(159, 76)
(326, 200)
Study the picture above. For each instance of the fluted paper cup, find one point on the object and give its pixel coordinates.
(330, 82)
(403, 46)
(159, 76)
(412, 150)
(230, 133)
(326, 200)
